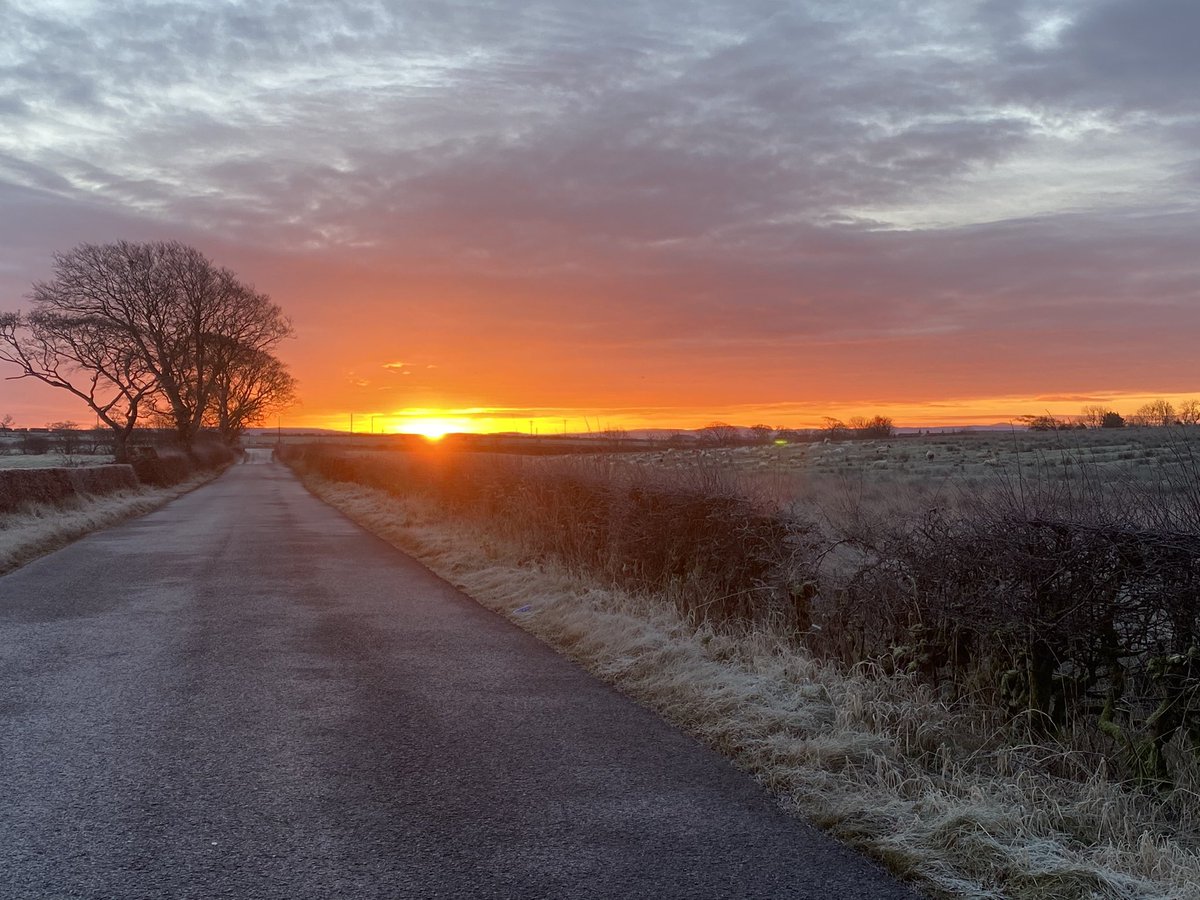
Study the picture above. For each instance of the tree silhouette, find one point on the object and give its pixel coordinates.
(146, 328)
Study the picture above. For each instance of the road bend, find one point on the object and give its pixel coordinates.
(246, 695)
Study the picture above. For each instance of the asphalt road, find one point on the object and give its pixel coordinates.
(245, 695)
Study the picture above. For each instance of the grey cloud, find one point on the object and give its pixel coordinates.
(696, 159)
(1126, 56)
(1141, 44)
(768, 110)
(13, 107)
(37, 222)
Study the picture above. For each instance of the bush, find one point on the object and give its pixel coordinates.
(165, 465)
(715, 553)
(1061, 602)
(211, 454)
(35, 444)
(24, 487)
(1058, 603)
(98, 480)
(20, 488)
(160, 468)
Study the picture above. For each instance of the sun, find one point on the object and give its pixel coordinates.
(433, 429)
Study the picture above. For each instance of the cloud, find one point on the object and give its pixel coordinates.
(718, 180)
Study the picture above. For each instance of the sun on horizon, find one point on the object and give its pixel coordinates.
(434, 428)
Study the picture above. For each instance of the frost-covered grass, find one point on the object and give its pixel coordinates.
(879, 760)
(929, 463)
(28, 535)
(53, 460)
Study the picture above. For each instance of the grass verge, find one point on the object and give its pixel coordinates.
(26, 535)
(879, 760)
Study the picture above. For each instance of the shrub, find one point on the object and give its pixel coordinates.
(160, 467)
(211, 454)
(693, 538)
(24, 487)
(20, 488)
(164, 465)
(1058, 601)
(103, 479)
(1043, 598)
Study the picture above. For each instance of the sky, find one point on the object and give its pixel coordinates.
(637, 214)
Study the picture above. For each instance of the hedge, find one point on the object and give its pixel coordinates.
(55, 486)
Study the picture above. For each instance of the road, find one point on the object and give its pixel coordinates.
(246, 695)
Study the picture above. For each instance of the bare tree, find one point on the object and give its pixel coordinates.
(1155, 413)
(719, 434)
(1044, 422)
(762, 433)
(168, 306)
(85, 356)
(874, 427)
(247, 385)
(1189, 412)
(67, 436)
(1093, 415)
(834, 429)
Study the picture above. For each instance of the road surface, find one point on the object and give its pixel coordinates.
(245, 695)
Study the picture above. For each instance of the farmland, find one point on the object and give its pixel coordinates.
(970, 654)
(934, 463)
(52, 460)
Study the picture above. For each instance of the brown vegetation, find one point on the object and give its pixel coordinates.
(930, 778)
(22, 488)
(690, 537)
(1057, 603)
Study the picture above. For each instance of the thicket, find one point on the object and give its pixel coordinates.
(21, 488)
(163, 466)
(1056, 614)
(692, 537)
(1066, 604)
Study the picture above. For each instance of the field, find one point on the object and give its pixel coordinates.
(24, 450)
(51, 460)
(936, 465)
(973, 655)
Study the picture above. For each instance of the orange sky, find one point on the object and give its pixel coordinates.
(640, 216)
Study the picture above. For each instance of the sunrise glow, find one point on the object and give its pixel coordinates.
(435, 429)
(950, 412)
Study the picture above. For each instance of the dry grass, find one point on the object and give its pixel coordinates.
(878, 759)
(24, 536)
